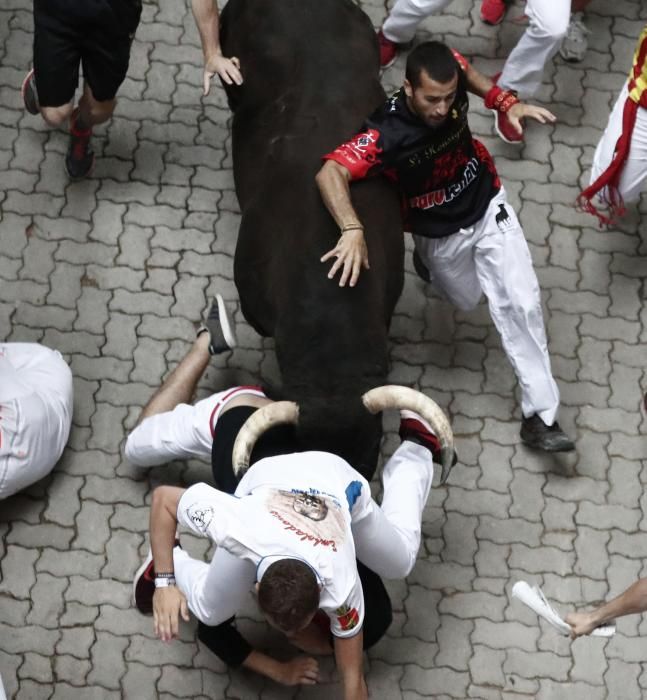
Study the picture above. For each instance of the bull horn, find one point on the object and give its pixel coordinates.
(276, 413)
(402, 397)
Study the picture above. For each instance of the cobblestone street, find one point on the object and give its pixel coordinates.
(116, 272)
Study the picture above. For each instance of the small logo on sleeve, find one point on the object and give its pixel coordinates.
(347, 617)
(200, 516)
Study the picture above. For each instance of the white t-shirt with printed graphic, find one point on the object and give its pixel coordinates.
(301, 506)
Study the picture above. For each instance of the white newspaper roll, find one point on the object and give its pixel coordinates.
(534, 598)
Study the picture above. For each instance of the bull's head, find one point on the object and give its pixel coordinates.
(375, 401)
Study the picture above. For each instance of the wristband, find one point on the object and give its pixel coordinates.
(500, 99)
(352, 227)
(164, 581)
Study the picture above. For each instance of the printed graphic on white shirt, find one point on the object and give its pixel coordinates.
(310, 515)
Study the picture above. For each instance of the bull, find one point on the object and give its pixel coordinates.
(310, 77)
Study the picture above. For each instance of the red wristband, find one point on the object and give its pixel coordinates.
(500, 99)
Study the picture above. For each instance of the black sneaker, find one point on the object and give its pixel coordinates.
(420, 267)
(79, 160)
(30, 94)
(144, 586)
(550, 438)
(219, 327)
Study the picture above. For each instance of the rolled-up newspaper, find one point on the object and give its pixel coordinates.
(534, 598)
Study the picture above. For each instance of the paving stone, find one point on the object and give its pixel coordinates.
(18, 572)
(43, 535)
(48, 604)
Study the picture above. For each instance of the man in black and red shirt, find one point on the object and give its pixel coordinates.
(467, 237)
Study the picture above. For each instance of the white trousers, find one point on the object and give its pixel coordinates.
(183, 433)
(492, 258)
(634, 171)
(386, 540)
(548, 23)
(35, 412)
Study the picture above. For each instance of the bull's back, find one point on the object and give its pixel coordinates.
(311, 77)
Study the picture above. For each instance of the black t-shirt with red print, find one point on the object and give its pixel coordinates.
(447, 178)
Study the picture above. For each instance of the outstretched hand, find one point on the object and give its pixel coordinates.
(168, 604)
(227, 68)
(302, 670)
(519, 111)
(581, 623)
(352, 254)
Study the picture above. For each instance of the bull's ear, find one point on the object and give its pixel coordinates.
(403, 397)
(275, 413)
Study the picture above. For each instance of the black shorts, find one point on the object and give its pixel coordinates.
(96, 33)
(276, 441)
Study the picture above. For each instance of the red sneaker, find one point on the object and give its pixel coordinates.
(144, 586)
(505, 129)
(415, 428)
(79, 160)
(493, 11)
(388, 50)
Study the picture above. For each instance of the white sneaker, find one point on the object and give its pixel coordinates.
(575, 42)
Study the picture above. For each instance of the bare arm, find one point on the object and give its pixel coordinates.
(350, 662)
(480, 85)
(205, 13)
(633, 600)
(301, 670)
(351, 251)
(168, 603)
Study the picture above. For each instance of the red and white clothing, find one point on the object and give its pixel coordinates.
(464, 229)
(523, 70)
(35, 413)
(447, 178)
(619, 166)
(311, 506)
(267, 519)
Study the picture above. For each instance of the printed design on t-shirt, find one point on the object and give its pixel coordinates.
(432, 151)
(503, 219)
(361, 149)
(200, 515)
(353, 492)
(347, 617)
(310, 515)
(484, 156)
(444, 195)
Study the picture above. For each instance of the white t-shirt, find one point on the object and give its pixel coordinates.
(35, 413)
(299, 506)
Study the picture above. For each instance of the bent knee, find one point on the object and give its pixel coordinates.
(134, 452)
(56, 116)
(549, 27)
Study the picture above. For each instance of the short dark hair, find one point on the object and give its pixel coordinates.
(288, 593)
(436, 59)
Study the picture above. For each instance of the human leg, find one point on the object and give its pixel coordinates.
(388, 538)
(49, 87)
(524, 67)
(169, 427)
(575, 42)
(401, 23)
(634, 172)
(451, 267)
(508, 279)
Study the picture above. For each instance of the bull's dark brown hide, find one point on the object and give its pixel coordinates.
(310, 72)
